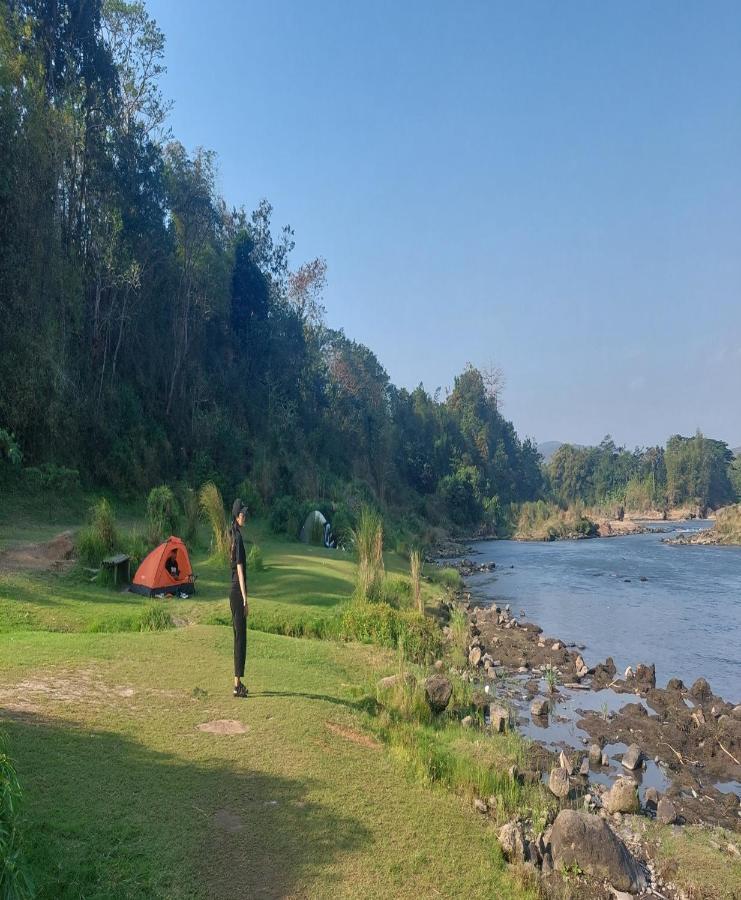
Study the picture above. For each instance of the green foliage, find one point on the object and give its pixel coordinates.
(697, 471)
(15, 878)
(191, 516)
(163, 514)
(100, 537)
(255, 560)
(415, 573)
(286, 516)
(378, 623)
(251, 497)
(447, 576)
(155, 617)
(10, 451)
(542, 521)
(50, 478)
(459, 636)
(212, 507)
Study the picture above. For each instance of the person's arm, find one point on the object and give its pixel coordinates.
(242, 583)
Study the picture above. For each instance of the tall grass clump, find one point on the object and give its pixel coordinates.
(255, 559)
(99, 537)
(15, 878)
(458, 637)
(155, 617)
(368, 540)
(163, 514)
(415, 571)
(213, 509)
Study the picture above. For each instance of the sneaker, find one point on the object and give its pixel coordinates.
(240, 690)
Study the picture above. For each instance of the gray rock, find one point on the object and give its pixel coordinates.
(666, 812)
(675, 684)
(736, 713)
(512, 841)
(439, 665)
(646, 675)
(474, 656)
(632, 757)
(558, 782)
(701, 691)
(698, 716)
(595, 755)
(584, 767)
(622, 797)
(585, 840)
(438, 691)
(480, 806)
(566, 763)
(467, 721)
(605, 759)
(539, 707)
(391, 682)
(581, 667)
(499, 718)
(652, 797)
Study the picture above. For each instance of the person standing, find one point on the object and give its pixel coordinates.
(238, 595)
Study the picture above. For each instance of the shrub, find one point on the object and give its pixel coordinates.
(49, 478)
(447, 577)
(286, 516)
(378, 623)
(255, 560)
(251, 497)
(396, 591)
(15, 879)
(100, 537)
(213, 508)
(163, 514)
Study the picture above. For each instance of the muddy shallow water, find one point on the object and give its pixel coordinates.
(684, 616)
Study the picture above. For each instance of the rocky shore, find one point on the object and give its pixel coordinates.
(688, 734)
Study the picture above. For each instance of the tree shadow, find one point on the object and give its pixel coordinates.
(106, 816)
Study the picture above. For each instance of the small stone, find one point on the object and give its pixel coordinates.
(558, 782)
(467, 721)
(566, 763)
(474, 656)
(499, 718)
(512, 842)
(736, 713)
(584, 767)
(605, 759)
(480, 806)
(581, 667)
(439, 665)
(557, 646)
(539, 707)
(632, 757)
(595, 755)
(622, 797)
(652, 797)
(391, 682)
(666, 812)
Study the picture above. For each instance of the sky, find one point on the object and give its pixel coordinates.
(550, 188)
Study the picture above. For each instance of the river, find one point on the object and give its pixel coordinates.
(685, 616)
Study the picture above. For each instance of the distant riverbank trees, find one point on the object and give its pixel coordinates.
(150, 333)
(689, 471)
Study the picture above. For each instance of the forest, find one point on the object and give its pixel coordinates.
(151, 332)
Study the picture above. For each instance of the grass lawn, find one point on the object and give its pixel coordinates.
(125, 796)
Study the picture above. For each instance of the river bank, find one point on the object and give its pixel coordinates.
(689, 738)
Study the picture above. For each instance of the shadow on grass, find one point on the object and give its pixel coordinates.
(365, 704)
(105, 816)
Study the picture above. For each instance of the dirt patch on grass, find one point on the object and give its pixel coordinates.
(82, 686)
(355, 737)
(55, 555)
(223, 726)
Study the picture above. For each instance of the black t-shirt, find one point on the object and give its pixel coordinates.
(238, 556)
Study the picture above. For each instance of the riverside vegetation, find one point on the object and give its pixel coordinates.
(162, 784)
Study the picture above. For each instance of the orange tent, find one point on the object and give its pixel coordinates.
(166, 570)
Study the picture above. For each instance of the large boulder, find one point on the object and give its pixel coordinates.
(539, 707)
(701, 691)
(438, 691)
(632, 757)
(499, 718)
(646, 675)
(585, 840)
(512, 841)
(666, 812)
(622, 797)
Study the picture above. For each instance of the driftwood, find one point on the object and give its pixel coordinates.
(728, 754)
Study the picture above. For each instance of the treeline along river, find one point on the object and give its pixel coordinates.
(634, 598)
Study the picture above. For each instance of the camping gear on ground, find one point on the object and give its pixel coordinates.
(166, 570)
(317, 530)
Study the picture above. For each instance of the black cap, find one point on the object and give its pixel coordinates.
(237, 508)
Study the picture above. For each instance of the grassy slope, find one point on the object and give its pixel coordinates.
(126, 797)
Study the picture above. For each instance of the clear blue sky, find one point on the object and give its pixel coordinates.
(555, 187)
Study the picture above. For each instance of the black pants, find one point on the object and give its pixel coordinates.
(239, 624)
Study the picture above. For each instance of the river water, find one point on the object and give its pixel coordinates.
(685, 616)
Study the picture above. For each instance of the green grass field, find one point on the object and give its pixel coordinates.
(125, 796)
